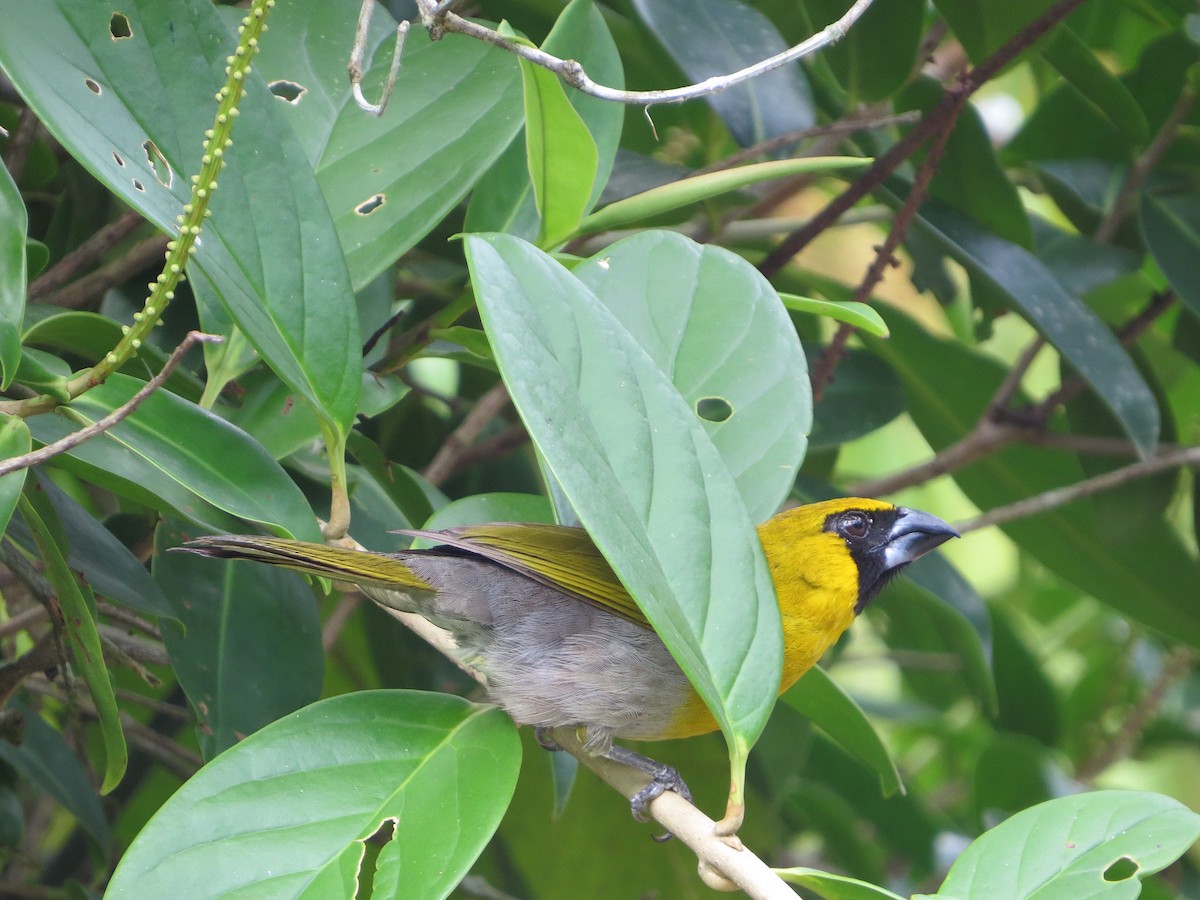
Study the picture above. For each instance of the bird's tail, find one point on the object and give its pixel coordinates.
(367, 569)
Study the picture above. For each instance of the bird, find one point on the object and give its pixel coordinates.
(540, 613)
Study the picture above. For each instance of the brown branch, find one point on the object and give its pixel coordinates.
(19, 143)
(76, 438)
(485, 410)
(83, 256)
(499, 446)
(1185, 456)
(967, 84)
(88, 290)
(44, 655)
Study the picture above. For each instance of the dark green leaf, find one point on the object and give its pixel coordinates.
(288, 809)
(717, 37)
(14, 222)
(716, 328)
(865, 395)
(1029, 704)
(983, 26)
(14, 441)
(1171, 226)
(1079, 335)
(270, 248)
(1083, 70)
(1011, 774)
(658, 500)
(1067, 846)
(834, 887)
(79, 624)
(879, 53)
(249, 649)
(456, 106)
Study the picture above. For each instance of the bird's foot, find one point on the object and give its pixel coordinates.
(662, 778)
(542, 735)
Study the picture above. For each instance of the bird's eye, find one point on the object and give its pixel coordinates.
(855, 524)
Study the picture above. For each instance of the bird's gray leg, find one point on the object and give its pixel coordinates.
(662, 778)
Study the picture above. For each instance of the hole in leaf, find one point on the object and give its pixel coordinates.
(287, 90)
(138, 186)
(370, 205)
(118, 27)
(713, 409)
(158, 163)
(120, 160)
(1121, 870)
(93, 86)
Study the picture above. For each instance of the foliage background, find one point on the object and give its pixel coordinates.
(1055, 194)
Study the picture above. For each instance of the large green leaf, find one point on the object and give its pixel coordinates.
(287, 811)
(717, 37)
(1079, 334)
(214, 460)
(819, 698)
(79, 623)
(1075, 848)
(716, 328)
(642, 474)
(247, 649)
(1138, 576)
(389, 180)
(134, 112)
(14, 221)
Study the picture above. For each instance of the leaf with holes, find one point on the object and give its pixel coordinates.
(1075, 848)
(270, 249)
(389, 180)
(287, 811)
(641, 472)
(716, 328)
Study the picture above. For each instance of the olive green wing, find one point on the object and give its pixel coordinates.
(557, 556)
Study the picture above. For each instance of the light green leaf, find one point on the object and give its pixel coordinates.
(643, 476)
(819, 698)
(14, 441)
(715, 327)
(860, 315)
(247, 648)
(834, 887)
(118, 108)
(702, 187)
(561, 152)
(286, 811)
(1066, 847)
(79, 623)
(14, 222)
(456, 106)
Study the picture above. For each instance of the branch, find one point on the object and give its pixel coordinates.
(1186, 456)
(91, 287)
(437, 20)
(88, 252)
(459, 442)
(76, 438)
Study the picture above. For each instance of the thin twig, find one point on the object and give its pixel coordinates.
(437, 21)
(86, 254)
(1185, 456)
(91, 287)
(76, 438)
(446, 460)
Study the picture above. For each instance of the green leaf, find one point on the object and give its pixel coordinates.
(865, 395)
(715, 327)
(1078, 334)
(270, 249)
(456, 106)
(79, 623)
(1012, 773)
(879, 53)
(717, 37)
(819, 698)
(561, 152)
(1081, 67)
(702, 187)
(1171, 226)
(479, 509)
(1139, 577)
(860, 315)
(247, 649)
(14, 441)
(46, 761)
(834, 887)
(649, 487)
(287, 810)
(214, 460)
(982, 26)
(14, 223)
(1065, 848)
